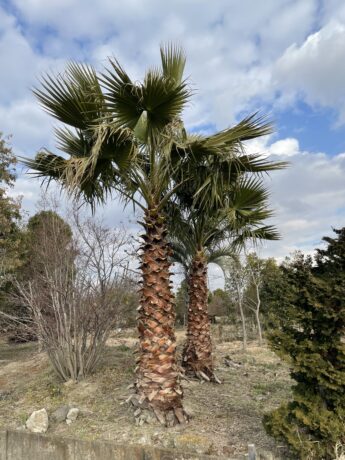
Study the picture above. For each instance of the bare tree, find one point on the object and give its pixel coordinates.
(76, 291)
(236, 276)
(255, 268)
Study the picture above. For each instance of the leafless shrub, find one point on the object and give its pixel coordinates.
(76, 292)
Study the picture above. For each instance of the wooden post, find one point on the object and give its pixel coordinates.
(251, 452)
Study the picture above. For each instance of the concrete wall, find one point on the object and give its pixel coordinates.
(19, 445)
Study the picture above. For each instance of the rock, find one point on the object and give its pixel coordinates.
(72, 415)
(60, 414)
(193, 443)
(189, 410)
(38, 421)
(144, 439)
(170, 418)
(144, 416)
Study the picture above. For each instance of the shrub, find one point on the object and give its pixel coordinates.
(308, 332)
(76, 292)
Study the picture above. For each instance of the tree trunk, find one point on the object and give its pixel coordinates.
(197, 354)
(243, 320)
(158, 379)
(257, 313)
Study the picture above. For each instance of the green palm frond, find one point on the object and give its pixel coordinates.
(123, 97)
(75, 143)
(45, 165)
(218, 161)
(255, 235)
(74, 98)
(162, 99)
(173, 62)
(216, 255)
(146, 107)
(250, 127)
(180, 254)
(75, 175)
(248, 198)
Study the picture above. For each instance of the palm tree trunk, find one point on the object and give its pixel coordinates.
(197, 354)
(158, 379)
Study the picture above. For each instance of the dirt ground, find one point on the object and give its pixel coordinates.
(225, 418)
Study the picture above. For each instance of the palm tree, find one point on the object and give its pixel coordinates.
(127, 138)
(120, 139)
(203, 235)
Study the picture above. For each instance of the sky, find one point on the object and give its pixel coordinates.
(284, 58)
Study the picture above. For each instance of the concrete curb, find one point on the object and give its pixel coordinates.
(20, 445)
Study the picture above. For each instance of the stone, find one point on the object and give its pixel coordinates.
(193, 443)
(38, 421)
(145, 439)
(60, 414)
(72, 415)
(189, 410)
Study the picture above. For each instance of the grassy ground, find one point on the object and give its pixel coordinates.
(225, 417)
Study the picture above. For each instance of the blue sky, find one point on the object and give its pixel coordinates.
(285, 58)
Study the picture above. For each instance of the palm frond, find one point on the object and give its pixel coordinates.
(123, 97)
(248, 197)
(75, 175)
(216, 255)
(148, 107)
(163, 99)
(74, 98)
(180, 255)
(173, 62)
(250, 127)
(255, 235)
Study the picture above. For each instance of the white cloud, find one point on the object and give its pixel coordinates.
(31, 127)
(315, 70)
(308, 199)
(285, 147)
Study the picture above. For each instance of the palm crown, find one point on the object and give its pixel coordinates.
(128, 137)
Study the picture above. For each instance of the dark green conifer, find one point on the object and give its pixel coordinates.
(308, 332)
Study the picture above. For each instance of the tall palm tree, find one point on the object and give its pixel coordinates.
(203, 235)
(119, 140)
(128, 138)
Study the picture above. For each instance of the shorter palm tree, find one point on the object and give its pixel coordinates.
(203, 236)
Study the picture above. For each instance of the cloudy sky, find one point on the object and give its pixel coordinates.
(285, 58)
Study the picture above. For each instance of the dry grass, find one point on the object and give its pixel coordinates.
(228, 416)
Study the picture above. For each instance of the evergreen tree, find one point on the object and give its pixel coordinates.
(10, 231)
(307, 330)
(181, 303)
(9, 212)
